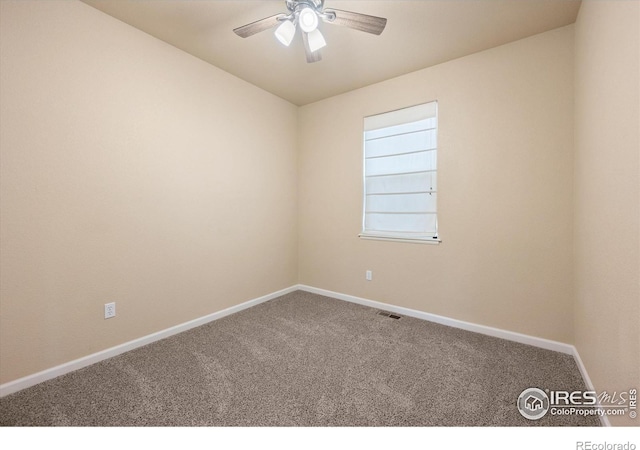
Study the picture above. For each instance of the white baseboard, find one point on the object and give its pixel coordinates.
(31, 380)
(482, 329)
(604, 420)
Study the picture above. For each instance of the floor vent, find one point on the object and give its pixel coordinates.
(388, 314)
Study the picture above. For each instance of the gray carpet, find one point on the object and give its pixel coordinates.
(304, 360)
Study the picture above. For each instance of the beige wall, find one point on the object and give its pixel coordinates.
(135, 173)
(607, 194)
(505, 191)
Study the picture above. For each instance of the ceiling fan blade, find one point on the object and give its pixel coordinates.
(311, 56)
(357, 21)
(259, 25)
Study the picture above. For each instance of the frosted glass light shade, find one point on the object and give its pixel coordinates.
(308, 20)
(285, 32)
(316, 40)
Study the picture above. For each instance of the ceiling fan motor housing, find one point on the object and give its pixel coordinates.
(293, 5)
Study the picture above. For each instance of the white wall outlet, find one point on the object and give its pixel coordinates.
(109, 310)
(368, 275)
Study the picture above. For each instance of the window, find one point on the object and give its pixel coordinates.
(400, 178)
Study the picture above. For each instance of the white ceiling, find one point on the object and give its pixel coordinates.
(419, 34)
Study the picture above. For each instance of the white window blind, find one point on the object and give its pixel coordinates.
(400, 174)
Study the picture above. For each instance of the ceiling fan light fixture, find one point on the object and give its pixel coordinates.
(285, 32)
(307, 14)
(308, 19)
(316, 40)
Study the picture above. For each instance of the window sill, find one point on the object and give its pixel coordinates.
(378, 237)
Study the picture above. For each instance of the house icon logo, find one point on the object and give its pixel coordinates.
(533, 403)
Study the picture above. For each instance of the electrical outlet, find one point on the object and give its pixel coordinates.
(109, 310)
(369, 275)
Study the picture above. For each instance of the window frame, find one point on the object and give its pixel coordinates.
(400, 236)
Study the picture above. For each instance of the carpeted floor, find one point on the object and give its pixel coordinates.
(305, 360)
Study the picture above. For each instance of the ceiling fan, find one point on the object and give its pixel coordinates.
(306, 14)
